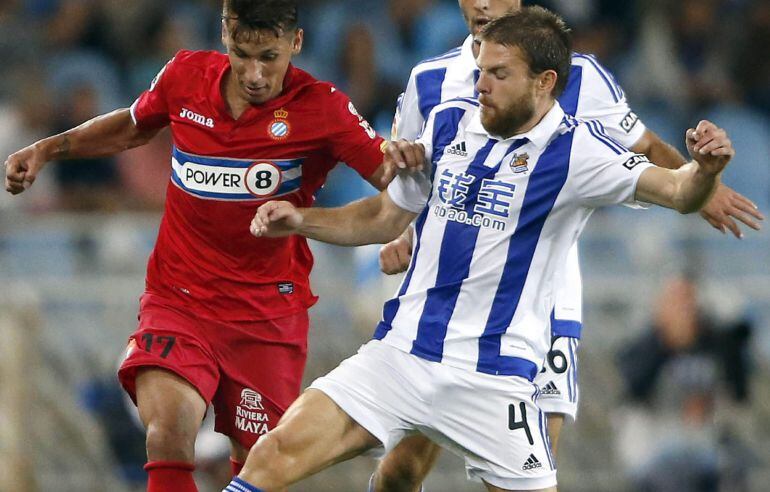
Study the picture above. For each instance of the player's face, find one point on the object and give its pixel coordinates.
(478, 13)
(259, 61)
(507, 89)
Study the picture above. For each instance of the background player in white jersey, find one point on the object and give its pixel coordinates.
(458, 348)
(592, 93)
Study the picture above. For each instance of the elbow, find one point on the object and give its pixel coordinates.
(139, 138)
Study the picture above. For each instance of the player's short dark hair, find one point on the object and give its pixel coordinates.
(541, 35)
(278, 16)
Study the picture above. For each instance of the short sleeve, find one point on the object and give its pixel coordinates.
(150, 110)
(602, 99)
(352, 139)
(602, 171)
(408, 121)
(410, 191)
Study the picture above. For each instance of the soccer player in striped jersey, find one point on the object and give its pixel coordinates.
(592, 93)
(458, 348)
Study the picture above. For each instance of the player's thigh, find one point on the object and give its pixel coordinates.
(386, 390)
(313, 434)
(495, 423)
(168, 370)
(260, 375)
(171, 339)
(558, 380)
(411, 460)
(555, 423)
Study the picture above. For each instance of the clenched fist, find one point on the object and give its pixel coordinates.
(276, 219)
(22, 168)
(710, 147)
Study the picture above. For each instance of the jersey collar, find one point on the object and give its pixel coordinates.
(467, 60)
(540, 135)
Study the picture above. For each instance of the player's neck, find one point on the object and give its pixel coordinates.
(236, 105)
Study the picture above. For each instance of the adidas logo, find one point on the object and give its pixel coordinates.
(458, 149)
(550, 389)
(531, 463)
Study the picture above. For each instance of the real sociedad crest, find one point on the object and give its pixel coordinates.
(279, 128)
(520, 163)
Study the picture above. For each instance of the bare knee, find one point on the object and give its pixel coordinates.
(171, 410)
(404, 470)
(268, 464)
(170, 442)
(398, 476)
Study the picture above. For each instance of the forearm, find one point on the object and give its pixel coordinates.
(695, 188)
(659, 152)
(368, 221)
(690, 187)
(102, 136)
(665, 155)
(686, 189)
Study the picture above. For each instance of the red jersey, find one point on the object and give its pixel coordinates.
(205, 259)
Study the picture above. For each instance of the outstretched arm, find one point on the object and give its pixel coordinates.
(688, 188)
(374, 220)
(724, 208)
(104, 135)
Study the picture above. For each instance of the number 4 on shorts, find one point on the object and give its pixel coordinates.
(513, 424)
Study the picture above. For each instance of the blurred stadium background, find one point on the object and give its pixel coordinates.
(664, 407)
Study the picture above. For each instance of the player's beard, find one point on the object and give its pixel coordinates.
(507, 121)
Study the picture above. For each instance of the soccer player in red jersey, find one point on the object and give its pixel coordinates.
(223, 319)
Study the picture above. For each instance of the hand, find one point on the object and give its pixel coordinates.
(396, 255)
(22, 168)
(402, 155)
(709, 146)
(276, 219)
(726, 205)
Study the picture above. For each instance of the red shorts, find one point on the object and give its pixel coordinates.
(249, 371)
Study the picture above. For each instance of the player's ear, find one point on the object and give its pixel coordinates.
(546, 81)
(296, 44)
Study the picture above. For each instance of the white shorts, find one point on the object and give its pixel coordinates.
(558, 380)
(493, 421)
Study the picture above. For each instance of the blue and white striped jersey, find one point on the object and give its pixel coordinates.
(592, 93)
(497, 218)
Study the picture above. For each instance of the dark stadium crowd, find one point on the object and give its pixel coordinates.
(65, 61)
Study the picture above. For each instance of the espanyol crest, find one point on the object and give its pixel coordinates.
(279, 128)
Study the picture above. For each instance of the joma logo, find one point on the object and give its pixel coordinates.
(200, 119)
